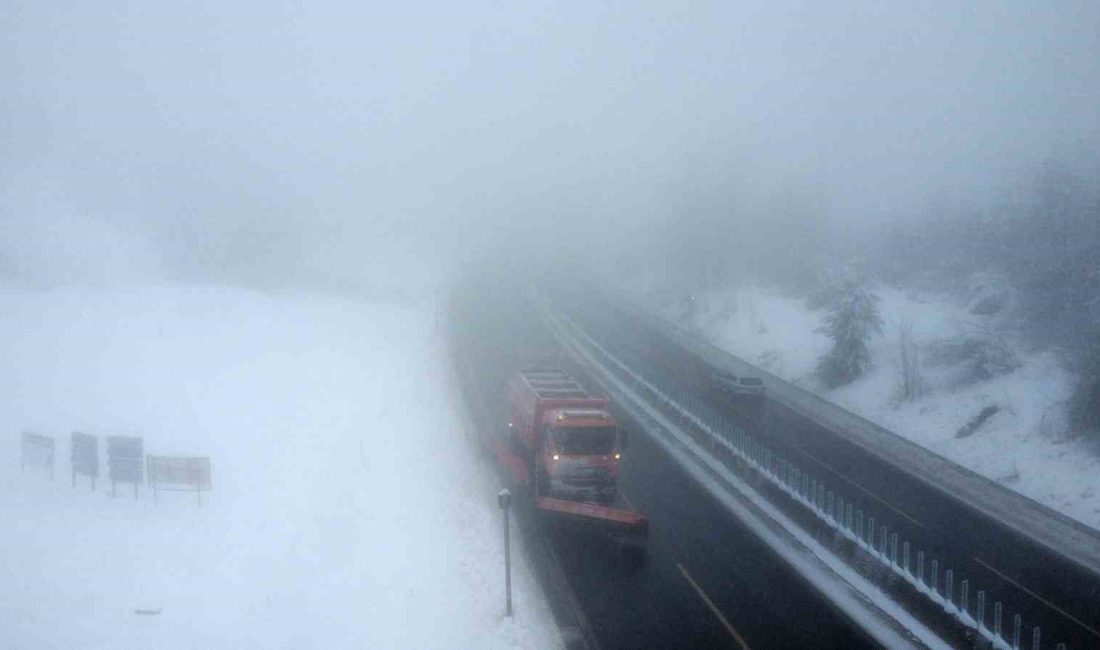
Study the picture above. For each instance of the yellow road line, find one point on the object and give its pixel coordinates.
(1039, 598)
(710, 604)
(857, 486)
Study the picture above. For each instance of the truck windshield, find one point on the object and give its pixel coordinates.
(584, 441)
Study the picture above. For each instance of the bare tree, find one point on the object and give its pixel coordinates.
(910, 380)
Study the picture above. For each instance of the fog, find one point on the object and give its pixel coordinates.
(376, 145)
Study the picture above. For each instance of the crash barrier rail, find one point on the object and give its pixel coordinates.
(178, 474)
(832, 507)
(1040, 524)
(37, 451)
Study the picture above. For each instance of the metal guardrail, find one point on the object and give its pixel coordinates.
(1046, 527)
(832, 507)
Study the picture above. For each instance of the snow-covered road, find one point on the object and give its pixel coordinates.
(348, 510)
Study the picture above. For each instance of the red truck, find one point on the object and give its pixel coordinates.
(566, 446)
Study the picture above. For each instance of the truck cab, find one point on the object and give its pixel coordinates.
(579, 454)
(563, 443)
(570, 442)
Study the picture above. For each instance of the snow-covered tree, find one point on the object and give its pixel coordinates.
(852, 319)
(910, 380)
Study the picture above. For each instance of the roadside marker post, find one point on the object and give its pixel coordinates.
(504, 499)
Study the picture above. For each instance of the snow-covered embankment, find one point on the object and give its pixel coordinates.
(348, 509)
(1024, 446)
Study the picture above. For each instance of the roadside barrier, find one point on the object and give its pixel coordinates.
(831, 506)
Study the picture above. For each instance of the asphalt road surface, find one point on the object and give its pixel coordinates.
(707, 581)
(1053, 593)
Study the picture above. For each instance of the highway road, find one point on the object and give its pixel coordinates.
(707, 583)
(1051, 592)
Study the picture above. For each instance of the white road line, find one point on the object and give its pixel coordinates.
(627, 499)
(710, 604)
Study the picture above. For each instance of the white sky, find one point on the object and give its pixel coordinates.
(269, 142)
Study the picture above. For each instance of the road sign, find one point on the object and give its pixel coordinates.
(125, 458)
(36, 451)
(84, 450)
(174, 473)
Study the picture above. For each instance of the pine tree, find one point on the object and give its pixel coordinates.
(852, 319)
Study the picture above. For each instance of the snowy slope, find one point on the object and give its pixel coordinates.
(348, 510)
(1024, 447)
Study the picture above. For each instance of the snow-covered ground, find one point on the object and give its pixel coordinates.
(1024, 447)
(348, 509)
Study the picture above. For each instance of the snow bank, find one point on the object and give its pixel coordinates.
(1023, 447)
(348, 510)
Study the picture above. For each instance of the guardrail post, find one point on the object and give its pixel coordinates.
(871, 532)
(894, 549)
(920, 567)
(1035, 638)
(829, 505)
(964, 597)
(859, 526)
(905, 558)
(948, 590)
(935, 584)
(848, 517)
(981, 610)
(1017, 625)
(882, 542)
(997, 619)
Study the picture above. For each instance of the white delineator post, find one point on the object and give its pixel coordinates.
(504, 499)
